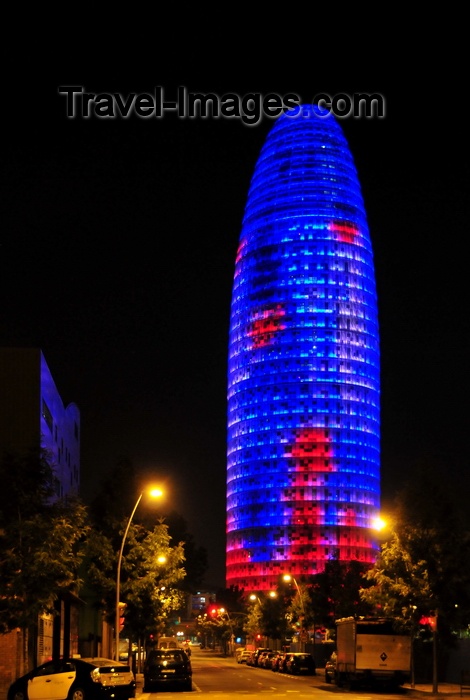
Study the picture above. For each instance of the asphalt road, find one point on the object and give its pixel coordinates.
(221, 678)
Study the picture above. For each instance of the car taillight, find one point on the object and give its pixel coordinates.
(96, 675)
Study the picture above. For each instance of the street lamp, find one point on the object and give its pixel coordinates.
(288, 577)
(155, 493)
(271, 594)
(223, 611)
(379, 523)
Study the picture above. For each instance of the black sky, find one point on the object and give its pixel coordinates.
(117, 256)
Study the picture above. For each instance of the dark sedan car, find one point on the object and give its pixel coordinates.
(299, 663)
(75, 679)
(167, 667)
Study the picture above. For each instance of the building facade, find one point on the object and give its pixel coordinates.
(33, 415)
(303, 442)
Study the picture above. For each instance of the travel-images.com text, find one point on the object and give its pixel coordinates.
(250, 108)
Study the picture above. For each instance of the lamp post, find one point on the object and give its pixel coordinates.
(434, 620)
(156, 493)
(288, 577)
(223, 611)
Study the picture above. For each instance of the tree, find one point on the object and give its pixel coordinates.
(419, 575)
(297, 601)
(113, 503)
(274, 624)
(152, 576)
(400, 582)
(336, 592)
(208, 628)
(420, 569)
(252, 625)
(40, 541)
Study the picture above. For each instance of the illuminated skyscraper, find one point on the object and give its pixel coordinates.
(303, 449)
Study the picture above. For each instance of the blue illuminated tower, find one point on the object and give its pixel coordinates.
(303, 445)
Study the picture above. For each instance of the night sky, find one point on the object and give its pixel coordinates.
(118, 242)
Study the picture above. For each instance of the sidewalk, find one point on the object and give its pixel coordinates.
(139, 680)
(448, 690)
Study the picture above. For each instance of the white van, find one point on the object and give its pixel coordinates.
(168, 643)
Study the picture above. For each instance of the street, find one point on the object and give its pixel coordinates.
(222, 678)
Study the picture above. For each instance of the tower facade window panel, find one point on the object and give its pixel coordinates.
(303, 362)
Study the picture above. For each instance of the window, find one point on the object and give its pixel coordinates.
(47, 415)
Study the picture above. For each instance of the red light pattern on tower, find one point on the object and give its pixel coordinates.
(312, 451)
(346, 229)
(240, 248)
(264, 328)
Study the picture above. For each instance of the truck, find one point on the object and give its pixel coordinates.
(371, 651)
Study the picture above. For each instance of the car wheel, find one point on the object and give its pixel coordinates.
(18, 695)
(77, 694)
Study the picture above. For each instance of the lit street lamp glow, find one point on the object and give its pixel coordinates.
(155, 493)
(271, 594)
(378, 523)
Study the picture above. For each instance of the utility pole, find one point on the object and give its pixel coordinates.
(434, 653)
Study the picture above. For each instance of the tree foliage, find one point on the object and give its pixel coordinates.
(40, 540)
(336, 592)
(274, 623)
(115, 500)
(421, 568)
(299, 612)
(152, 581)
(152, 574)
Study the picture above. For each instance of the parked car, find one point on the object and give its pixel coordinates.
(243, 657)
(258, 653)
(300, 663)
(282, 663)
(167, 667)
(264, 659)
(75, 679)
(330, 668)
(270, 659)
(250, 660)
(278, 661)
(238, 652)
